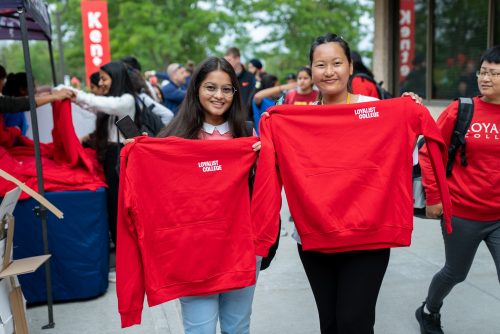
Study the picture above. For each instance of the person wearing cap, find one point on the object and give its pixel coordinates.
(173, 93)
(255, 67)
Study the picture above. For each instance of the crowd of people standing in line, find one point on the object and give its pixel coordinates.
(214, 101)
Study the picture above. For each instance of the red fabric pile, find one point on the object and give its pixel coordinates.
(66, 164)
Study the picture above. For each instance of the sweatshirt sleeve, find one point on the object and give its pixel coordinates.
(112, 105)
(266, 198)
(437, 158)
(9, 104)
(445, 123)
(130, 287)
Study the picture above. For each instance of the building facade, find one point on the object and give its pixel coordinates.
(432, 47)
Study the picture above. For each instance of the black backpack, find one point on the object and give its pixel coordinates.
(457, 141)
(145, 119)
(383, 94)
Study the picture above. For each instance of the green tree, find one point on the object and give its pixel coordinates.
(12, 58)
(294, 24)
(159, 32)
(156, 32)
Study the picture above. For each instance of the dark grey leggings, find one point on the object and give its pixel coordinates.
(460, 248)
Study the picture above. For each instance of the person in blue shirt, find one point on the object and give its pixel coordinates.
(173, 93)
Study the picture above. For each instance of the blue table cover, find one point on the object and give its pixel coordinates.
(79, 245)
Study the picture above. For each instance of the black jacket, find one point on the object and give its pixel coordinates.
(9, 104)
(247, 86)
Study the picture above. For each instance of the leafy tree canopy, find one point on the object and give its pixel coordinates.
(159, 32)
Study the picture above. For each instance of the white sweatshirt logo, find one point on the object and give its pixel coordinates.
(209, 166)
(365, 113)
(483, 130)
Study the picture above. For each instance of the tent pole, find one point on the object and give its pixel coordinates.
(52, 64)
(42, 212)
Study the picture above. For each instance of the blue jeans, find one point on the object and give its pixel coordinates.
(200, 313)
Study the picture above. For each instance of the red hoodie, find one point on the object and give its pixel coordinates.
(347, 172)
(475, 188)
(184, 224)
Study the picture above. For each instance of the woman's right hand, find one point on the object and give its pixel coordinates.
(434, 211)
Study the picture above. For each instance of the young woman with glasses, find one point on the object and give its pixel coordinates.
(213, 110)
(474, 190)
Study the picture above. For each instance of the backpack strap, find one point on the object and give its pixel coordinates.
(249, 127)
(464, 118)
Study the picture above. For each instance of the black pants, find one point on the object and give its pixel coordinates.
(110, 167)
(345, 287)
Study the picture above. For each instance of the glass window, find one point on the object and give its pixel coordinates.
(460, 36)
(496, 22)
(412, 46)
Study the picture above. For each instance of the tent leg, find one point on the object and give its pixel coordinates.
(38, 159)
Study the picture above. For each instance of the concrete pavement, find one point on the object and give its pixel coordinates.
(284, 303)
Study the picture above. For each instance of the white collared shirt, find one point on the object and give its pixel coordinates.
(222, 128)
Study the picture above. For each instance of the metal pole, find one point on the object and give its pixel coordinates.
(52, 64)
(62, 70)
(34, 124)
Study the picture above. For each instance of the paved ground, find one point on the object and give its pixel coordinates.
(284, 304)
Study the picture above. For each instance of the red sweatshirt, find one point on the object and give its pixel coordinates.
(184, 224)
(364, 86)
(347, 172)
(66, 164)
(474, 189)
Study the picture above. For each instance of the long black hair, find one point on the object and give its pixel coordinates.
(358, 66)
(16, 85)
(189, 120)
(120, 84)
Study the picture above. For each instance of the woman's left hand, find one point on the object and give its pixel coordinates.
(256, 147)
(414, 96)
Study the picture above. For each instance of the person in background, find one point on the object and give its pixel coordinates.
(304, 93)
(415, 80)
(16, 86)
(189, 66)
(474, 189)
(10, 104)
(266, 97)
(291, 78)
(142, 92)
(245, 78)
(3, 78)
(135, 64)
(360, 84)
(118, 100)
(173, 93)
(255, 67)
(94, 84)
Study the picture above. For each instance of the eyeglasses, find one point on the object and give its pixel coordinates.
(484, 74)
(227, 91)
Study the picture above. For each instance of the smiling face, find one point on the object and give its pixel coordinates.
(104, 82)
(489, 85)
(331, 69)
(216, 96)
